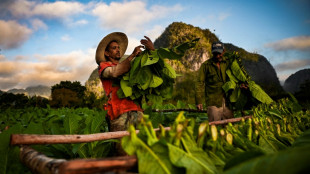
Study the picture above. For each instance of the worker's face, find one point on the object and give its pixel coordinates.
(218, 55)
(113, 51)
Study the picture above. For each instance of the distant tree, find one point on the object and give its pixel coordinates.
(67, 94)
(92, 101)
(74, 86)
(38, 101)
(9, 100)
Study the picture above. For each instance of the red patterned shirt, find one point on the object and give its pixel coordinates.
(115, 105)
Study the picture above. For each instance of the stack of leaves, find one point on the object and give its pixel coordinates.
(150, 76)
(237, 77)
(264, 143)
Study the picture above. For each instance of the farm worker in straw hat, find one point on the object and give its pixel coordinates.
(121, 112)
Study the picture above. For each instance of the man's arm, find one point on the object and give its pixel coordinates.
(120, 68)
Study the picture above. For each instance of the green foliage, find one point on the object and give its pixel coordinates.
(238, 76)
(258, 145)
(150, 77)
(18, 101)
(93, 101)
(74, 86)
(7, 158)
(166, 118)
(68, 94)
(51, 121)
(13, 100)
(277, 131)
(289, 161)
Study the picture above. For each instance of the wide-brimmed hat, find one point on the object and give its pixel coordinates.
(119, 37)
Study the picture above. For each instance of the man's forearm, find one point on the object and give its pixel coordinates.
(118, 70)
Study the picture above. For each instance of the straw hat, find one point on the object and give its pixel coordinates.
(119, 37)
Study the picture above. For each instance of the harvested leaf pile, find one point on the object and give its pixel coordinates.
(238, 76)
(150, 76)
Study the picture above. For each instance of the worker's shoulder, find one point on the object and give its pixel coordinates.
(207, 62)
(106, 63)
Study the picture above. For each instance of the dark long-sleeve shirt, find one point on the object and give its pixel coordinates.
(210, 81)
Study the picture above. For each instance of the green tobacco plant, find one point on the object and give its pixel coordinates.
(267, 138)
(174, 151)
(277, 134)
(237, 76)
(51, 121)
(150, 76)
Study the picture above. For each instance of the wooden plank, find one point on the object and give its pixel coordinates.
(39, 163)
(231, 120)
(177, 110)
(26, 139)
(112, 165)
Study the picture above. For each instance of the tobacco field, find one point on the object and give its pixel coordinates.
(275, 140)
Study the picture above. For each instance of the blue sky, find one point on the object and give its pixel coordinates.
(45, 42)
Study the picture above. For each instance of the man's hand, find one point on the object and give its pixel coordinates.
(147, 43)
(137, 51)
(199, 107)
(244, 86)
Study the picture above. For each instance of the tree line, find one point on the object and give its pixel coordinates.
(65, 94)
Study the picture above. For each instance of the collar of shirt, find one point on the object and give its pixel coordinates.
(214, 60)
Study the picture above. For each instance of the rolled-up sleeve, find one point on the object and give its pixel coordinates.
(116, 70)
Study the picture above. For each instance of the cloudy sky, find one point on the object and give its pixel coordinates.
(44, 42)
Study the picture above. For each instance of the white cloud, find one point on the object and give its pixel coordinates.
(80, 22)
(223, 16)
(58, 9)
(155, 32)
(38, 24)
(12, 34)
(152, 34)
(219, 17)
(21, 8)
(130, 16)
(65, 38)
(48, 69)
(7, 68)
(132, 43)
(7, 83)
(2, 57)
(301, 43)
(291, 65)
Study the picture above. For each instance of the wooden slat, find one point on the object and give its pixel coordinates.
(26, 139)
(231, 120)
(177, 110)
(88, 166)
(39, 163)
